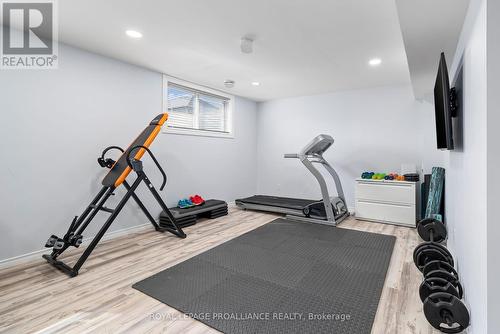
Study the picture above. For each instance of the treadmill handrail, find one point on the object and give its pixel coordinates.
(309, 159)
(303, 156)
(324, 190)
(315, 159)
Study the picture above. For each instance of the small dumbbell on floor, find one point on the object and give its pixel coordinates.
(441, 291)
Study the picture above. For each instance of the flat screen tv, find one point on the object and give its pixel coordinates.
(444, 104)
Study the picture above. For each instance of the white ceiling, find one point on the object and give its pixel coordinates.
(429, 27)
(302, 47)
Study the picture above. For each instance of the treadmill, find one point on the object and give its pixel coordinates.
(327, 210)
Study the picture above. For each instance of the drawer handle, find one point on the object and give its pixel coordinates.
(386, 203)
(387, 185)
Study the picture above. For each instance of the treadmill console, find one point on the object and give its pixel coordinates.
(318, 145)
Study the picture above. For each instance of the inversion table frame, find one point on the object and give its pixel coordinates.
(119, 170)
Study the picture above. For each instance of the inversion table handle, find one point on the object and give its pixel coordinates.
(163, 174)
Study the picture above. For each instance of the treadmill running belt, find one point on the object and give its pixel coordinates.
(281, 202)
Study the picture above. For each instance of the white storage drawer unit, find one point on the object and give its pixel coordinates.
(386, 201)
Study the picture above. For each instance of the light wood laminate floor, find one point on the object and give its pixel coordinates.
(35, 297)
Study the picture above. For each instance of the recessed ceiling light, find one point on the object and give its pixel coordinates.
(255, 83)
(133, 34)
(375, 62)
(229, 83)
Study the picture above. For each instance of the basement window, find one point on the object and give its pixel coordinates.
(196, 110)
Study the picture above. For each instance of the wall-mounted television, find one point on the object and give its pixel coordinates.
(445, 107)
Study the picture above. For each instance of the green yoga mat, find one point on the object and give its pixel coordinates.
(435, 193)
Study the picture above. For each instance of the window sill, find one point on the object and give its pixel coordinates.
(199, 133)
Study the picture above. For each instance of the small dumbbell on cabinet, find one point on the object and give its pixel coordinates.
(441, 291)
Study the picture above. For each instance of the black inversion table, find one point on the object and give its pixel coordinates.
(117, 175)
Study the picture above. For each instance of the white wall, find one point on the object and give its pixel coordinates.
(374, 130)
(56, 122)
(493, 64)
(466, 170)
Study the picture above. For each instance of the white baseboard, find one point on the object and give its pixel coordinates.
(110, 235)
(37, 254)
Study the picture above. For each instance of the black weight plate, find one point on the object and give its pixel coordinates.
(425, 226)
(439, 247)
(426, 255)
(433, 244)
(429, 253)
(446, 313)
(447, 276)
(439, 265)
(443, 270)
(432, 285)
(436, 244)
(416, 256)
(417, 250)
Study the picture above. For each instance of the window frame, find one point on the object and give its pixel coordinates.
(202, 89)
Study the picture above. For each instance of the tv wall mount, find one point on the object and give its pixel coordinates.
(453, 102)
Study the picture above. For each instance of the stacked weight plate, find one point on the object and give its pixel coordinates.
(441, 291)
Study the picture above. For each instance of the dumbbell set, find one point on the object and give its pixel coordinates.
(441, 291)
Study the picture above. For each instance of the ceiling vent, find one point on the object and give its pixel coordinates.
(246, 45)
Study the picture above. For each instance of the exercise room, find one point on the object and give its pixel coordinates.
(218, 166)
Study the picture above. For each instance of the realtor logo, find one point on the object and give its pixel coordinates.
(29, 34)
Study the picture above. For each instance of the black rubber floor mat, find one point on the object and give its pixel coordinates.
(283, 277)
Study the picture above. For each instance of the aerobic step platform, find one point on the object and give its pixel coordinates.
(211, 209)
